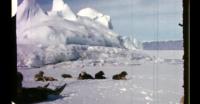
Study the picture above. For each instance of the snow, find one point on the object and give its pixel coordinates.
(55, 32)
(14, 8)
(58, 5)
(148, 98)
(61, 9)
(90, 13)
(29, 10)
(131, 43)
(138, 89)
(93, 14)
(123, 89)
(56, 29)
(39, 56)
(59, 41)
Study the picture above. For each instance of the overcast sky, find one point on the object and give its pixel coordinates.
(143, 19)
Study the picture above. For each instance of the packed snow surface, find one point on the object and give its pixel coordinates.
(142, 86)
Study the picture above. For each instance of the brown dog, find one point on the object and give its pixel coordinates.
(47, 78)
(83, 75)
(121, 76)
(40, 77)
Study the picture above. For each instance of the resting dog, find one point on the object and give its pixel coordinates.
(121, 76)
(40, 77)
(83, 75)
(66, 76)
(100, 75)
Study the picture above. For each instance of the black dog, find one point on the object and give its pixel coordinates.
(100, 75)
(66, 76)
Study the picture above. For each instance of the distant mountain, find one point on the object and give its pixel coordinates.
(163, 45)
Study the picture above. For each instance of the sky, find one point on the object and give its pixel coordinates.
(146, 20)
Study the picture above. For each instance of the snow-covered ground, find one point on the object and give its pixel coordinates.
(60, 41)
(156, 81)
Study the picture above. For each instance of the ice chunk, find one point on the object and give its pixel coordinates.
(62, 9)
(93, 14)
